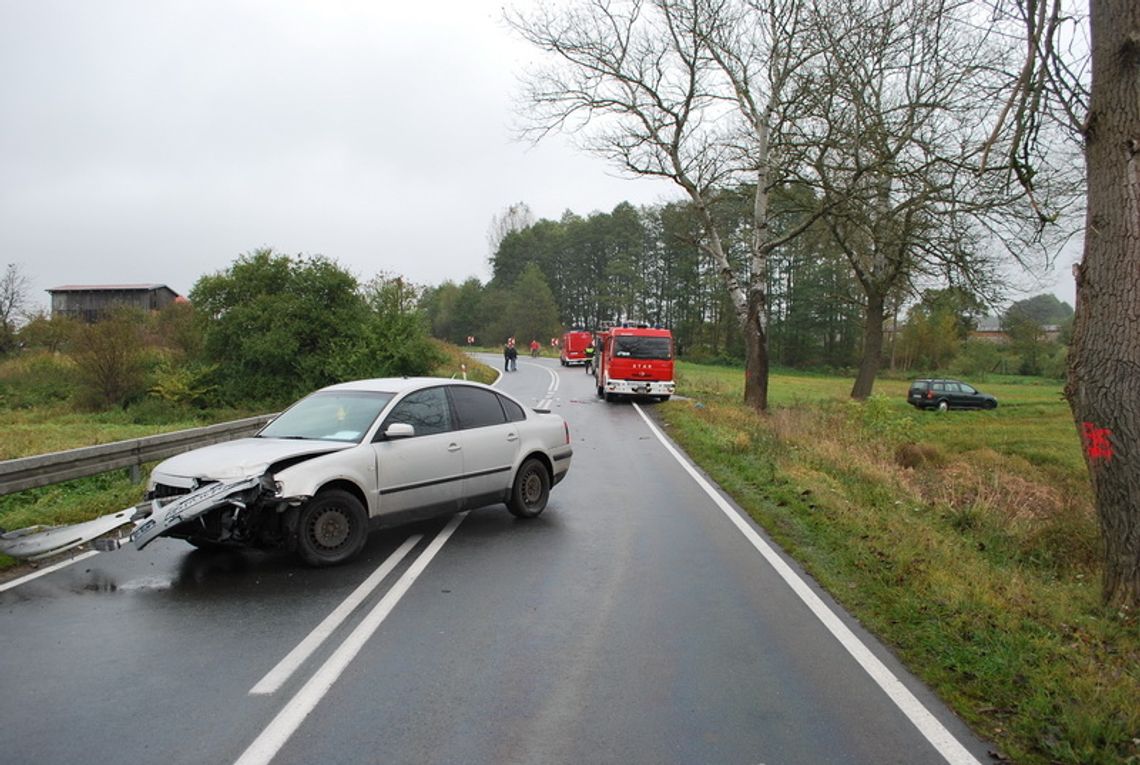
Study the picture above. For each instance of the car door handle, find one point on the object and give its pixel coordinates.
(453, 447)
(512, 436)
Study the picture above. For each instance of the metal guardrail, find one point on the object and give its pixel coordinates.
(46, 469)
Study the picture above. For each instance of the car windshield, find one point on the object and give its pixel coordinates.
(329, 416)
(643, 347)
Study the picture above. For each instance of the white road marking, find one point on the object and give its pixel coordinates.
(942, 740)
(266, 745)
(295, 658)
(45, 571)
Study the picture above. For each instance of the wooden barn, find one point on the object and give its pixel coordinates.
(88, 302)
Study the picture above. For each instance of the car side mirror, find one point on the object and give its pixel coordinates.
(399, 430)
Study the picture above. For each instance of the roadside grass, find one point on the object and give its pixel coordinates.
(37, 419)
(965, 540)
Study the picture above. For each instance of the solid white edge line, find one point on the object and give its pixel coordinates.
(270, 741)
(928, 725)
(285, 668)
(45, 571)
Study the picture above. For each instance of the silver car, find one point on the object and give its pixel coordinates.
(356, 456)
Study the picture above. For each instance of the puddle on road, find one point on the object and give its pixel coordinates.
(101, 583)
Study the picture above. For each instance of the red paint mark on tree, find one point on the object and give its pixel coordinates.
(1097, 445)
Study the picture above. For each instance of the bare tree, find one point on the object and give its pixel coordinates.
(699, 92)
(515, 218)
(14, 287)
(904, 92)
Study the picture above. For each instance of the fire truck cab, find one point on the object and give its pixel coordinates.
(634, 360)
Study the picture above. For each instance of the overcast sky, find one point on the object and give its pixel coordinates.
(153, 141)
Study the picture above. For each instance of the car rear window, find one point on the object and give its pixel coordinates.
(514, 412)
(476, 407)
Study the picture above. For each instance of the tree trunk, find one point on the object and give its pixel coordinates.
(1104, 358)
(756, 355)
(872, 346)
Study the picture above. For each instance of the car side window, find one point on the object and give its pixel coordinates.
(940, 387)
(952, 388)
(425, 410)
(476, 407)
(967, 389)
(514, 412)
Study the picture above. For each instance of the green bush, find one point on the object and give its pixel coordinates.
(879, 416)
(978, 359)
(36, 379)
(185, 383)
(110, 361)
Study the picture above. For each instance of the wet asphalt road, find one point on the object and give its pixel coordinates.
(630, 623)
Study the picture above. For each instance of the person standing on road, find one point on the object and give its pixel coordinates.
(534, 348)
(590, 357)
(512, 357)
(507, 356)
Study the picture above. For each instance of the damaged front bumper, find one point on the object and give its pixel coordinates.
(151, 520)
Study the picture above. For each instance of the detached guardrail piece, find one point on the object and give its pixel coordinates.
(35, 542)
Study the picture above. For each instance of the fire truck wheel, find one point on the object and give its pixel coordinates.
(609, 396)
(531, 490)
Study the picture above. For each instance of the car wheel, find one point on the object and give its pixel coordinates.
(943, 405)
(531, 490)
(991, 405)
(331, 529)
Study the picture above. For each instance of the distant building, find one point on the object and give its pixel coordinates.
(989, 329)
(88, 302)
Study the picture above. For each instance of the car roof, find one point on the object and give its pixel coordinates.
(397, 384)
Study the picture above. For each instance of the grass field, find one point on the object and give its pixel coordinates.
(966, 540)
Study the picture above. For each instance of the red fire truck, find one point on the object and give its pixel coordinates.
(634, 360)
(574, 345)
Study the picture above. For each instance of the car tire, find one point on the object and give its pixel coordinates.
(531, 490)
(331, 529)
(943, 405)
(991, 405)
